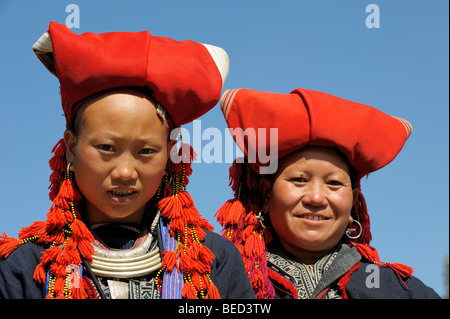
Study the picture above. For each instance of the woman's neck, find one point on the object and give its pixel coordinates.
(306, 257)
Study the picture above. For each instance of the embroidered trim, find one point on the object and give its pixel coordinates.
(304, 277)
(227, 100)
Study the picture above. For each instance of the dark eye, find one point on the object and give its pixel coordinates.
(146, 151)
(299, 180)
(335, 183)
(105, 148)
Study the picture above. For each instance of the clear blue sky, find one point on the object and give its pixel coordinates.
(400, 68)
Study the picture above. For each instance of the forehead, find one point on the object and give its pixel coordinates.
(113, 94)
(310, 156)
(120, 110)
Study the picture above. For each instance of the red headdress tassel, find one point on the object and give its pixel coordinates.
(70, 240)
(66, 235)
(361, 214)
(58, 166)
(371, 254)
(8, 245)
(238, 219)
(187, 226)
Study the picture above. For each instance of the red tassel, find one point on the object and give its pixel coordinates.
(196, 281)
(38, 228)
(368, 252)
(193, 251)
(79, 293)
(254, 247)
(58, 166)
(8, 245)
(169, 260)
(236, 211)
(371, 254)
(71, 256)
(188, 291)
(203, 224)
(205, 254)
(362, 215)
(213, 292)
(222, 214)
(170, 207)
(59, 288)
(77, 285)
(403, 270)
(50, 254)
(185, 199)
(186, 263)
(257, 281)
(85, 249)
(40, 274)
(81, 232)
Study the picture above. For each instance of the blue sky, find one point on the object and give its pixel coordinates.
(401, 68)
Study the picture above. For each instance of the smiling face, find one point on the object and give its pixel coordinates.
(310, 201)
(119, 155)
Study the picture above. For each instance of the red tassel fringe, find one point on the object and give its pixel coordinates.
(187, 226)
(8, 245)
(237, 217)
(371, 254)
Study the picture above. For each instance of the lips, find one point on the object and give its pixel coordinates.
(122, 195)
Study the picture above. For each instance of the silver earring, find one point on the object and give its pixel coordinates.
(260, 217)
(68, 169)
(351, 230)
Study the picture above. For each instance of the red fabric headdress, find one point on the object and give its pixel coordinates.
(186, 78)
(369, 138)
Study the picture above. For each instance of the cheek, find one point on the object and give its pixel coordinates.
(152, 173)
(281, 203)
(89, 176)
(342, 204)
(86, 163)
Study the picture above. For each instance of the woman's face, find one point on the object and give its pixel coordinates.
(310, 201)
(119, 156)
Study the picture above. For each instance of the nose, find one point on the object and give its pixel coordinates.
(124, 171)
(314, 194)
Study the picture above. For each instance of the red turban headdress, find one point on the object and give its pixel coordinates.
(369, 138)
(185, 77)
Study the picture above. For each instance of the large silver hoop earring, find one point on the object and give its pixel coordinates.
(261, 219)
(351, 230)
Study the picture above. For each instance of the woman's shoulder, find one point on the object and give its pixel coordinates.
(17, 270)
(25, 254)
(228, 271)
(215, 239)
(220, 246)
(373, 281)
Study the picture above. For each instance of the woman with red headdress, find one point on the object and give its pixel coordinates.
(121, 224)
(298, 217)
